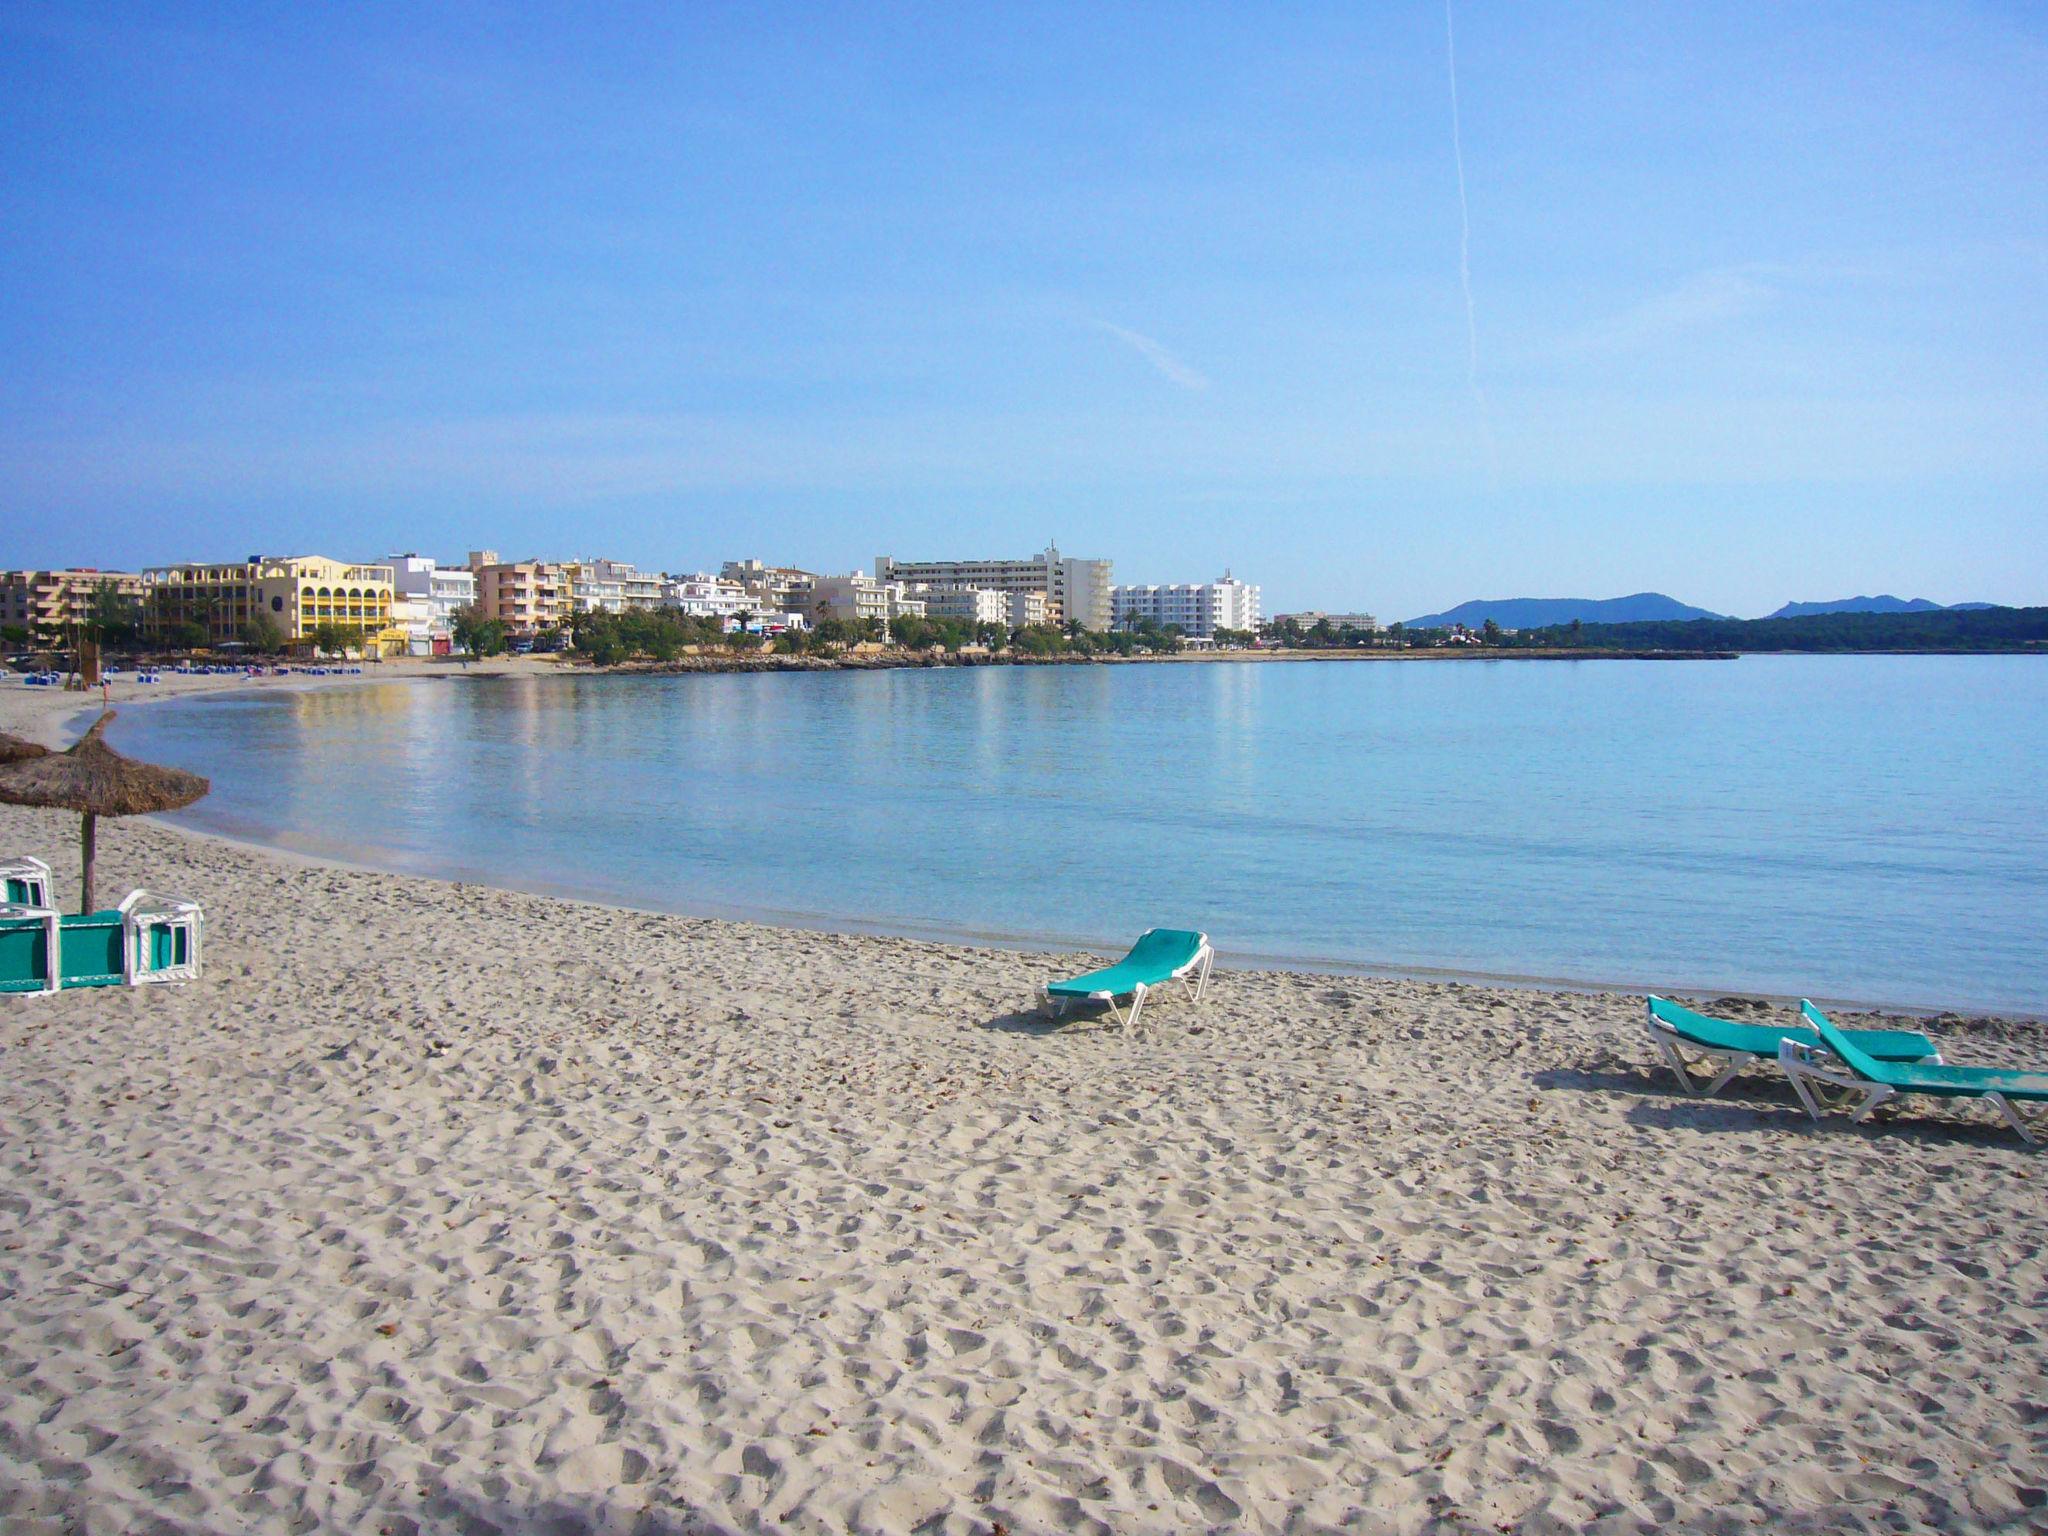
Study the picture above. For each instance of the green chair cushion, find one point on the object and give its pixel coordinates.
(1154, 959)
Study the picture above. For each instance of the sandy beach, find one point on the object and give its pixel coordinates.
(433, 1207)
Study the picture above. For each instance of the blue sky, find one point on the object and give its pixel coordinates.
(1760, 293)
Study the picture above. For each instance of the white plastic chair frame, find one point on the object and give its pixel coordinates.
(1823, 1081)
(1673, 1045)
(34, 874)
(142, 913)
(1198, 968)
(53, 941)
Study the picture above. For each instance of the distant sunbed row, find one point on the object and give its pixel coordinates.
(145, 939)
(1832, 1068)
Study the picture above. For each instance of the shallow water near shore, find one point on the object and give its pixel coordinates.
(1866, 828)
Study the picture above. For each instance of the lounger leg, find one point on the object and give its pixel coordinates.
(1137, 1007)
(1736, 1063)
(1807, 1098)
(1877, 1094)
(2014, 1119)
(1736, 1060)
(1202, 976)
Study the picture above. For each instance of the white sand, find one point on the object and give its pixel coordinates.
(437, 1208)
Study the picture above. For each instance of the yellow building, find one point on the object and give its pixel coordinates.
(298, 593)
(48, 604)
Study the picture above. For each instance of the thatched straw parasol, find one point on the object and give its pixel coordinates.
(15, 750)
(95, 780)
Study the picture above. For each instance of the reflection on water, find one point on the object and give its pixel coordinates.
(1866, 827)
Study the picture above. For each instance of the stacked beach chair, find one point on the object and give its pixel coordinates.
(147, 938)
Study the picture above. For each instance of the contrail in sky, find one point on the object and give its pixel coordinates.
(1465, 254)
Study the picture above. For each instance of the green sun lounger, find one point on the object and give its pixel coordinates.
(145, 939)
(1678, 1031)
(1161, 955)
(1839, 1073)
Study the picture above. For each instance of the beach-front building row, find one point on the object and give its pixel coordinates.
(407, 603)
(528, 596)
(296, 593)
(46, 605)
(1200, 608)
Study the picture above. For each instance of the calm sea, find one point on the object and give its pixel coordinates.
(1869, 828)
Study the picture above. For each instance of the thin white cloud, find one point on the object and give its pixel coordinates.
(1170, 367)
(1703, 300)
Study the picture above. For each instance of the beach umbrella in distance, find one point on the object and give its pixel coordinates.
(14, 750)
(94, 780)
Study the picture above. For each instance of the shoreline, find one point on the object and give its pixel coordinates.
(61, 717)
(1237, 961)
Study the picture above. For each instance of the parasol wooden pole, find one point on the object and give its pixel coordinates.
(88, 838)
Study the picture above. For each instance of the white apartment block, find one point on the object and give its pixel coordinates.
(701, 596)
(425, 599)
(774, 588)
(1074, 590)
(1028, 608)
(613, 586)
(858, 596)
(1200, 608)
(974, 605)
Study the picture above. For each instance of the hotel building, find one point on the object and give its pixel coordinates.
(296, 592)
(47, 603)
(1200, 608)
(1312, 617)
(1074, 590)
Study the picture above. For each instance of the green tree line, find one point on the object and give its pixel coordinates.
(1965, 629)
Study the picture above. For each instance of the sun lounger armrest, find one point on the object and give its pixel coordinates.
(143, 903)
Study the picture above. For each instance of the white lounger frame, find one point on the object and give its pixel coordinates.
(141, 915)
(1823, 1081)
(1198, 968)
(53, 942)
(1673, 1045)
(34, 874)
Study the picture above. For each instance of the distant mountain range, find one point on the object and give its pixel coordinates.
(1651, 607)
(1884, 602)
(1536, 612)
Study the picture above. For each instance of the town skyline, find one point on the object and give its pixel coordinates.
(1819, 589)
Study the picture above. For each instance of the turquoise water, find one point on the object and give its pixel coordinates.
(1867, 828)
